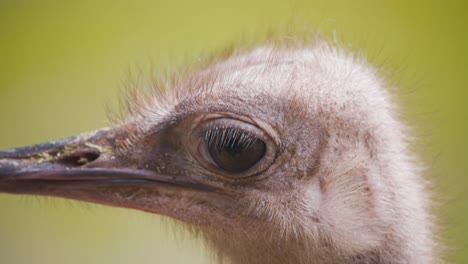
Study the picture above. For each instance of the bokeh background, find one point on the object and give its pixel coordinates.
(62, 62)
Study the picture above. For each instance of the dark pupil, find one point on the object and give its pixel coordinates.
(237, 155)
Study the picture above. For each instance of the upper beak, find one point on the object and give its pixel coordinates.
(87, 167)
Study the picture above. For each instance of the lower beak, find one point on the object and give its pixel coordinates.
(88, 167)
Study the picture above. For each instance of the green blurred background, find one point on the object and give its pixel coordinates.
(62, 62)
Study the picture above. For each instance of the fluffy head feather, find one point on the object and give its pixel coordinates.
(344, 187)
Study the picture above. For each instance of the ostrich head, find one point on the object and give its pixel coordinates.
(276, 155)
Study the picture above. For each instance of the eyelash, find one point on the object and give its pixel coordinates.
(222, 137)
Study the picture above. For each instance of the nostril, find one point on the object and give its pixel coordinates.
(80, 157)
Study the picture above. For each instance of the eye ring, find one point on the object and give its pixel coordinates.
(232, 147)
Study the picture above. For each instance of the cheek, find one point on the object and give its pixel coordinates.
(346, 212)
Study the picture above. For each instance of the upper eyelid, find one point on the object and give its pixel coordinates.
(230, 123)
(226, 134)
(262, 129)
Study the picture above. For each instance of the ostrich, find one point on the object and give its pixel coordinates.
(276, 154)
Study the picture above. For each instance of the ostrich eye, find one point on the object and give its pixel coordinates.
(233, 150)
(231, 146)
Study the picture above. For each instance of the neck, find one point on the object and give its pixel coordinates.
(236, 246)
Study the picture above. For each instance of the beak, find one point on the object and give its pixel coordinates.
(93, 167)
